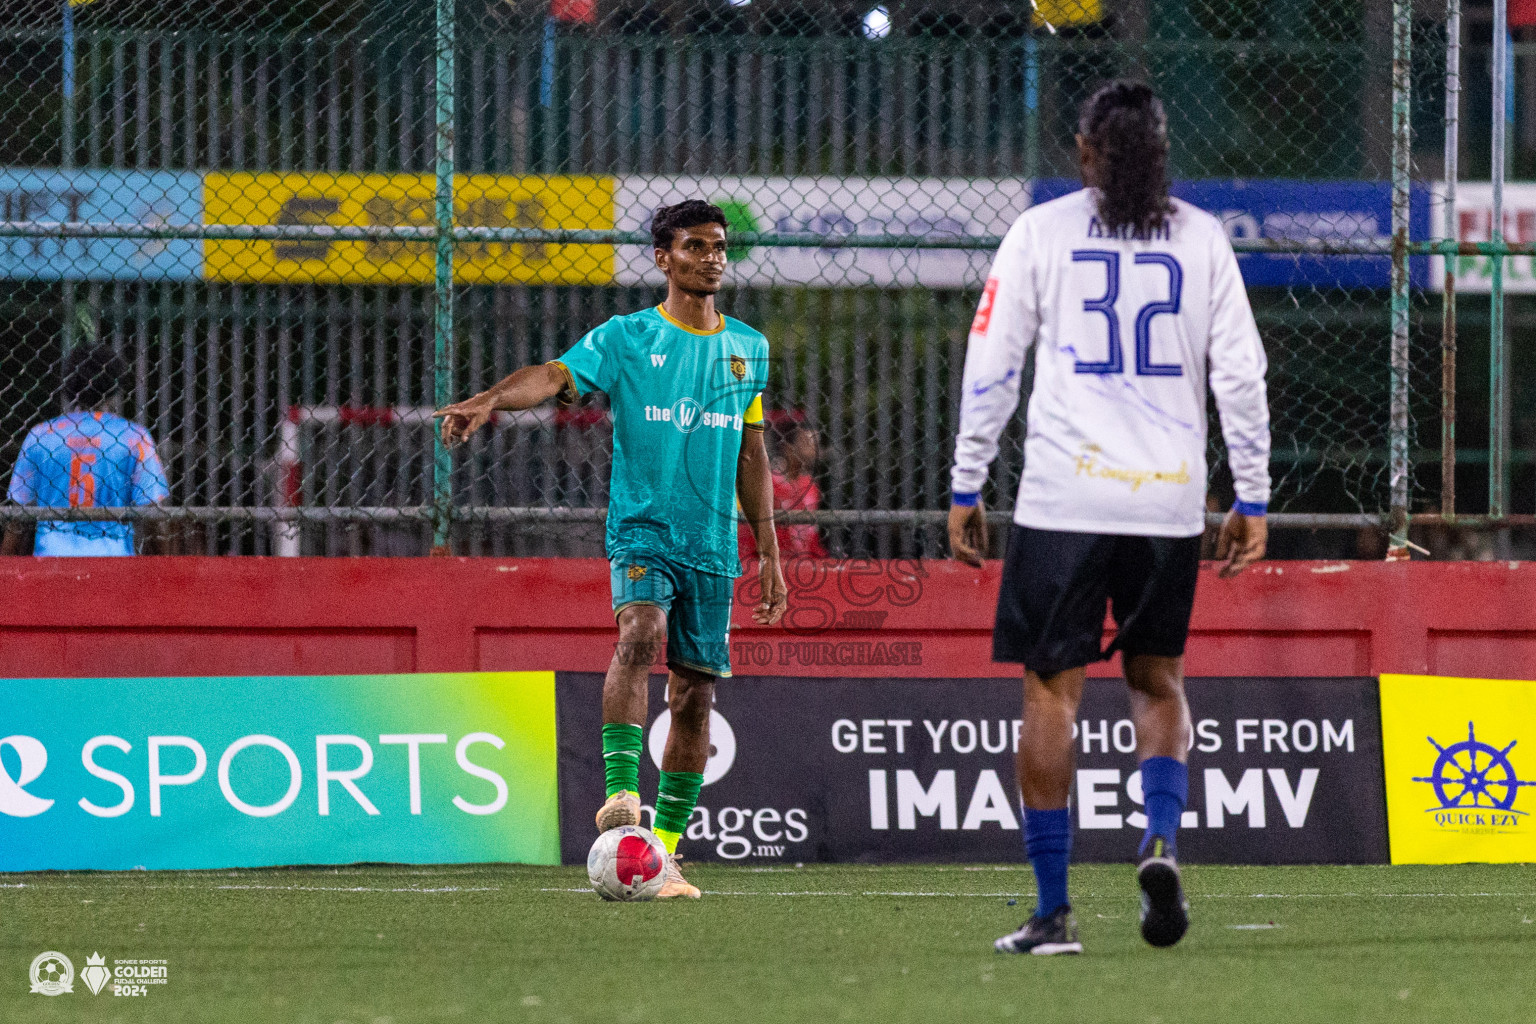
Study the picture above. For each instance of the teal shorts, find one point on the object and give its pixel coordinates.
(697, 605)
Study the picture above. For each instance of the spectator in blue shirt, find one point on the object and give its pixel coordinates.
(89, 457)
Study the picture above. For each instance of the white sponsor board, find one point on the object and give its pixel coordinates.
(1474, 223)
(935, 207)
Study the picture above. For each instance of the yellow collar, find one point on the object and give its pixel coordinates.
(679, 324)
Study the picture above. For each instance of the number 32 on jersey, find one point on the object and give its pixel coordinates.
(1105, 304)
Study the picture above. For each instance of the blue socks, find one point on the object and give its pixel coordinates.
(1165, 791)
(1048, 842)
(1048, 834)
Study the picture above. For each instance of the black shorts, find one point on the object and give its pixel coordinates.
(1050, 610)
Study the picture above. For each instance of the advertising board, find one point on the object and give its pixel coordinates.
(1281, 771)
(156, 199)
(1298, 210)
(938, 208)
(114, 774)
(407, 200)
(1460, 762)
(1474, 223)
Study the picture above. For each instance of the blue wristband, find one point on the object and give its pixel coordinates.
(965, 500)
(1250, 508)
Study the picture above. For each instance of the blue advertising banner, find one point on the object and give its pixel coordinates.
(114, 774)
(101, 197)
(1300, 210)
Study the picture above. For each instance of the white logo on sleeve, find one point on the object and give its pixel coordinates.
(14, 800)
(658, 360)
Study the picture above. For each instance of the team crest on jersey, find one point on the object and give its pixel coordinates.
(983, 318)
(738, 367)
(636, 573)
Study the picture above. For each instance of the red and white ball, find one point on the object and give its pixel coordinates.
(627, 863)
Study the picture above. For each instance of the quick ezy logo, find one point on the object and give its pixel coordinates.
(14, 799)
(1475, 784)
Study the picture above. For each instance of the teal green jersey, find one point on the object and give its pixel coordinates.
(680, 399)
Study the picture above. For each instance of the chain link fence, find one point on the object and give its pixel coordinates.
(303, 226)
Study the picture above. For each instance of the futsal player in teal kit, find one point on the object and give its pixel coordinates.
(684, 385)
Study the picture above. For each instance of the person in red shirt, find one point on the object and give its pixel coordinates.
(793, 488)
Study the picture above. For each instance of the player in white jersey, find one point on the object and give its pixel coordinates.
(1134, 305)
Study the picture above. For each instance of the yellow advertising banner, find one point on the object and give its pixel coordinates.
(1065, 13)
(1460, 759)
(395, 200)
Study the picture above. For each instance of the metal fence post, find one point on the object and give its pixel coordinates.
(1451, 231)
(1498, 406)
(67, 148)
(67, 93)
(1402, 143)
(442, 365)
(1031, 105)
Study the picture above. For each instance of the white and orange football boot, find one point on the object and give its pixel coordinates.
(621, 809)
(674, 884)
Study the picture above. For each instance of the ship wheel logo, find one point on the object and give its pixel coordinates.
(1474, 774)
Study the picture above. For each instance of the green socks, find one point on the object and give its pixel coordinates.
(622, 744)
(621, 759)
(675, 799)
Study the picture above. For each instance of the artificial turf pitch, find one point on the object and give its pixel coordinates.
(398, 945)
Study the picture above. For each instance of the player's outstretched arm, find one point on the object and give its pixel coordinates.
(754, 488)
(523, 389)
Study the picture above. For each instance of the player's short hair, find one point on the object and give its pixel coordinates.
(92, 374)
(1126, 125)
(689, 213)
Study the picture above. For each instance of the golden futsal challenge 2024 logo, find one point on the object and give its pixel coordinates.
(53, 974)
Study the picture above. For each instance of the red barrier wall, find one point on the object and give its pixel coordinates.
(265, 616)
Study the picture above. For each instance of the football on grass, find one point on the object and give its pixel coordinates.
(627, 863)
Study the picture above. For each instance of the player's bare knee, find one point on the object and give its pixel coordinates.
(1057, 694)
(690, 696)
(642, 633)
(1155, 678)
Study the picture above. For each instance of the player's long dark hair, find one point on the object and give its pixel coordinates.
(1125, 124)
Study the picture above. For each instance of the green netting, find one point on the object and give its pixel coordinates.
(287, 376)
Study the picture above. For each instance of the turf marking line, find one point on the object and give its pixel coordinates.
(359, 888)
(1012, 895)
(1333, 895)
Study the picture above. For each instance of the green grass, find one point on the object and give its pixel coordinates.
(818, 944)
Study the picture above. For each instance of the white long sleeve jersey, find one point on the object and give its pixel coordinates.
(1129, 331)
